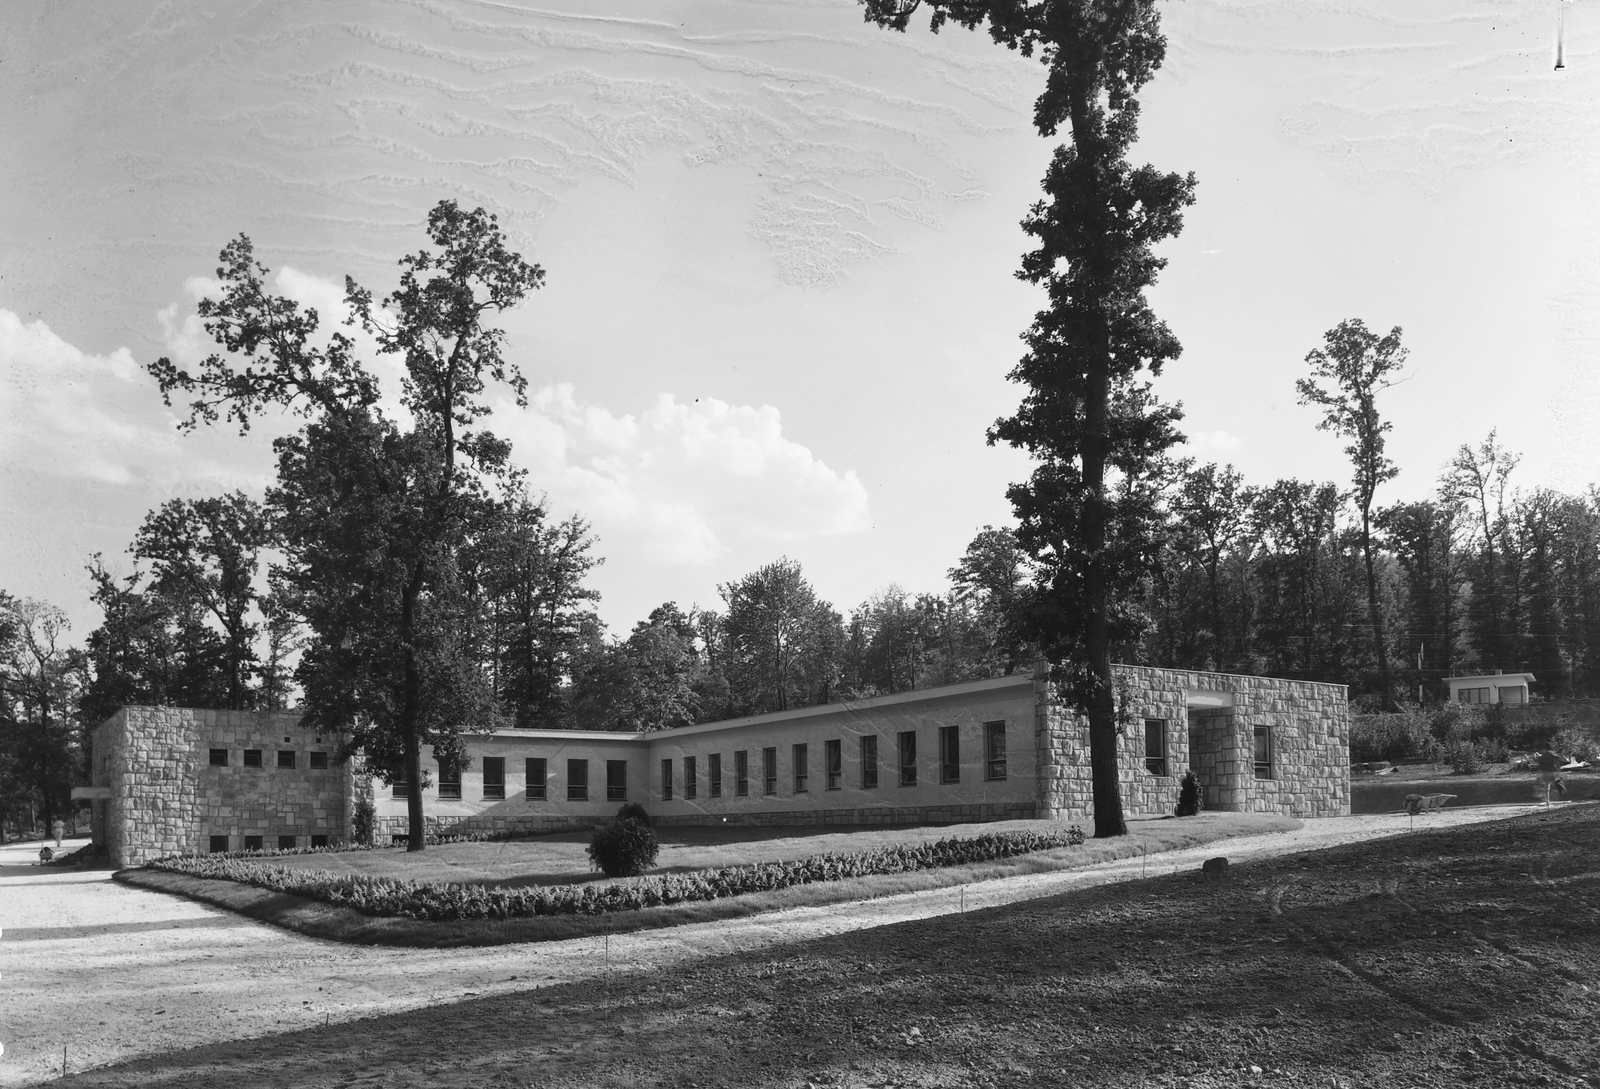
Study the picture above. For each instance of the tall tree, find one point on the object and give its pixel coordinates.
(38, 688)
(1211, 510)
(780, 641)
(366, 504)
(1348, 372)
(1423, 539)
(994, 576)
(1478, 478)
(1088, 514)
(205, 553)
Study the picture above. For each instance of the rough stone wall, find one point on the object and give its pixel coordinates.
(1310, 729)
(167, 798)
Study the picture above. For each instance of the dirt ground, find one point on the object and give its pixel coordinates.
(113, 973)
(1459, 956)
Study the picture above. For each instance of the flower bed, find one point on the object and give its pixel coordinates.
(446, 901)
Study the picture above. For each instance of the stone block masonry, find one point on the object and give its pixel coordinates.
(1210, 723)
(274, 779)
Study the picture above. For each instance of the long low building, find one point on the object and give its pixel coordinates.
(169, 781)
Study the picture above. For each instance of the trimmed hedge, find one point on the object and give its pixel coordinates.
(441, 901)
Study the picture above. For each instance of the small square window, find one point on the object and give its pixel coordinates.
(908, 758)
(319, 761)
(494, 777)
(400, 789)
(833, 763)
(286, 759)
(319, 841)
(714, 773)
(616, 780)
(769, 769)
(1155, 746)
(802, 768)
(535, 777)
(741, 773)
(869, 762)
(691, 781)
(577, 780)
(252, 843)
(252, 758)
(994, 751)
(949, 754)
(286, 843)
(219, 845)
(219, 758)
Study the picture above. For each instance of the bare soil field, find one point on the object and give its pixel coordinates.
(1463, 955)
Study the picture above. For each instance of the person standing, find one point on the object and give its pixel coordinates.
(1548, 764)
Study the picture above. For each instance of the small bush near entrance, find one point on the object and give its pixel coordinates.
(1188, 796)
(625, 847)
(633, 811)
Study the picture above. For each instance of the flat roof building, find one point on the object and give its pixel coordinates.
(184, 781)
(1496, 687)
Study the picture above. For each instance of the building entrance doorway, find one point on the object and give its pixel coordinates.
(1210, 755)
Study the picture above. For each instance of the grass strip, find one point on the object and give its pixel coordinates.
(340, 922)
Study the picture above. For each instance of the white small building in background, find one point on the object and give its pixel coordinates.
(1496, 687)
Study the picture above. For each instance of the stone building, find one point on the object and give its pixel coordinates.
(985, 750)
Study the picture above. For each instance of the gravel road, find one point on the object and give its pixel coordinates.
(110, 972)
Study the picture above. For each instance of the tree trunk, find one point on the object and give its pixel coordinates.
(416, 837)
(1108, 820)
(1373, 613)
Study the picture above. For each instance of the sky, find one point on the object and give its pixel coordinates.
(780, 247)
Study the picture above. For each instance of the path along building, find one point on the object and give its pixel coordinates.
(170, 780)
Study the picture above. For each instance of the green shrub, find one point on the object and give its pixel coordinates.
(624, 847)
(633, 811)
(1188, 796)
(1464, 756)
(1407, 735)
(1577, 743)
(362, 821)
(443, 902)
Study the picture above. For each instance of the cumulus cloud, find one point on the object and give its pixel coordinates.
(685, 482)
(1213, 442)
(71, 413)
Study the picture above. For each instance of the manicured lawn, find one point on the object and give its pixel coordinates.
(501, 863)
(562, 860)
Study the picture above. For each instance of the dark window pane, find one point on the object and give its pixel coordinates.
(219, 844)
(1155, 746)
(741, 773)
(691, 781)
(666, 779)
(577, 780)
(319, 841)
(616, 780)
(286, 758)
(286, 843)
(400, 789)
(833, 758)
(319, 761)
(1263, 753)
(869, 762)
(769, 769)
(714, 773)
(908, 758)
(252, 843)
(535, 775)
(252, 758)
(219, 759)
(449, 781)
(494, 777)
(949, 754)
(802, 768)
(994, 750)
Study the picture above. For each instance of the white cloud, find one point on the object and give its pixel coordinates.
(680, 482)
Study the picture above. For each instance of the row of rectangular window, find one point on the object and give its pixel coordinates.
(536, 770)
(994, 740)
(1155, 748)
(219, 844)
(287, 759)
